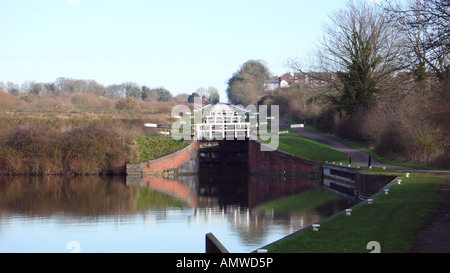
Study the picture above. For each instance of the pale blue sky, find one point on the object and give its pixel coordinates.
(181, 45)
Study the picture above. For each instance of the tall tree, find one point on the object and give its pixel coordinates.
(214, 97)
(359, 50)
(247, 84)
(426, 25)
(132, 90)
(191, 98)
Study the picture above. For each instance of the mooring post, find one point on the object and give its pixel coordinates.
(213, 245)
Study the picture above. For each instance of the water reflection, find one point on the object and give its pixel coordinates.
(118, 214)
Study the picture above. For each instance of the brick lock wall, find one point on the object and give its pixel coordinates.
(159, 165)
(278, 162)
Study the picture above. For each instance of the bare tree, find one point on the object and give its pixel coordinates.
(426, 24)
(358, 51)
(201, 91)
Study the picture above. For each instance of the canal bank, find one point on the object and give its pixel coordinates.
(428, 236)
(391, 220)
(382, 215)
(316, 226)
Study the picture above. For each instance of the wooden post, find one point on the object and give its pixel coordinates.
(213, 245)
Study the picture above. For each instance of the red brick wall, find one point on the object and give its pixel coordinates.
(171, 161)
(278, 162)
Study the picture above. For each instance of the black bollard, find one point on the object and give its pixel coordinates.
(369, 163)
(349, 160)
(213, 245)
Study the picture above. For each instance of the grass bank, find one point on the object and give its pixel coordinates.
(151, 147)
(392, 220)
(372, 153)
(294, 143)
(304, 201)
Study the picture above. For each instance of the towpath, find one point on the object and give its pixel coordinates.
(357, 156)
(434, 237)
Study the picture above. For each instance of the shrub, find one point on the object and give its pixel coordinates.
(90, 100)
(91, 149)
(8, 101)
(127, 104)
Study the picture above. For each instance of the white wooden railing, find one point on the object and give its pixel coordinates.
(220, 131)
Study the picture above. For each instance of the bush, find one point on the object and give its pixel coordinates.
(407, 127)
(295, 104)
(89, 100)
(127, 104)
(8, 102)
(91, 149)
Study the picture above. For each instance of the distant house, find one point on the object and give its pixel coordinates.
(299, 78)
(286, 80)
(311, 80)
(205, 100)
(305, 80)
(272, 84)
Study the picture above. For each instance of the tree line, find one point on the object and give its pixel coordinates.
(367, 50)
(115, 91)
(388, 72)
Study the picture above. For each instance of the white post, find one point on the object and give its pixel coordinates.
(152, 125)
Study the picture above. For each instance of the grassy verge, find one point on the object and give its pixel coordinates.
(151, 147)
(392, 220)
(296, 144)
(372, 153)
(300, 202)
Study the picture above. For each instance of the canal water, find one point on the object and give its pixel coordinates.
(152, 215)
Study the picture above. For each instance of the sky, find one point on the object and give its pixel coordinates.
(181, 45)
